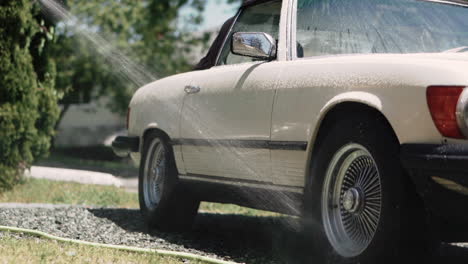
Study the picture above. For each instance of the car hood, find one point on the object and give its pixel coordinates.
(454, 56)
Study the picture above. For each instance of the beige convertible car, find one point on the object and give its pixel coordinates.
(351, 114)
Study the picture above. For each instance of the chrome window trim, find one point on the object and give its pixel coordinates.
(292, 19)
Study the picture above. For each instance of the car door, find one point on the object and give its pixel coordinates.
(226, 116)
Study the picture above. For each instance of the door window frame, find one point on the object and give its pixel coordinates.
(292, 29)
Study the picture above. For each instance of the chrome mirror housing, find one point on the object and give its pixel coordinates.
(254, 44)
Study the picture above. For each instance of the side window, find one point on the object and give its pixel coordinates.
(258, 18)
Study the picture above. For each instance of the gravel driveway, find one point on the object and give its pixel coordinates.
(238, 238)
(231, 237)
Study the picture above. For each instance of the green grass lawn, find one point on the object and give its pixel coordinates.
(45, 191)
(35, 250)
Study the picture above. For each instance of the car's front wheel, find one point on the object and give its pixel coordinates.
(163, 203)
(360, 206)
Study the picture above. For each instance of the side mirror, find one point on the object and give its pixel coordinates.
(254, 44)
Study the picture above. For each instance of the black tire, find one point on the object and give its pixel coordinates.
(174, 209)
(399, 234)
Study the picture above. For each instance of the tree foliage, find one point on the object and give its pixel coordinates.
(144, 30)
(28, 101)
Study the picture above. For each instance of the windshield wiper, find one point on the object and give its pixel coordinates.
(461, 3)
(457, 50)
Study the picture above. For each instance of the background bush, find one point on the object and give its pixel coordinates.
(28, 101)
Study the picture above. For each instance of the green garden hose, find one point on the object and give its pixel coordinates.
(182, 255)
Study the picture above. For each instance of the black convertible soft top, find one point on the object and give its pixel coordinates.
(252, 2)
(210, 59)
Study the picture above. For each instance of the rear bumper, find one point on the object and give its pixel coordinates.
(443, 161)
(440, 173)
(122, 146)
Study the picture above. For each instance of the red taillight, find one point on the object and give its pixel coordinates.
(128, 117)
(442, 101)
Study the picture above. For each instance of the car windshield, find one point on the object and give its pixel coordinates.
(327, 27)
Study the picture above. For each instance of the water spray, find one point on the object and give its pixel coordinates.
(139, 76)
(120, 63)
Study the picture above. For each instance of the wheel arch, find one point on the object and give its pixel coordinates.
(153, 129)
(165, 136)
(340, 109)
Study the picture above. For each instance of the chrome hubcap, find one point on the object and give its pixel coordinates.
(155, 169)
(351, 200)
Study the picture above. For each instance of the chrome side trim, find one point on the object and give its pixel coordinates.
(259, 144)
(241, 183)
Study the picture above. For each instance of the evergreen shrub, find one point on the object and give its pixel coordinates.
(28, 100)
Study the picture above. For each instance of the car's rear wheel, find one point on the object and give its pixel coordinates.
(351, 200)
(359, 204)
(163, 203)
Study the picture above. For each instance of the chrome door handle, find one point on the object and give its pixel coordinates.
(191, 89)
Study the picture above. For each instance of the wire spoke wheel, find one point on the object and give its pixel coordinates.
(351, 200)
(154, 174)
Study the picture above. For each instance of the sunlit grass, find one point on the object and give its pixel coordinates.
(34, 250)
(52, 192)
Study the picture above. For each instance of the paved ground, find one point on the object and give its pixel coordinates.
(82, 176)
